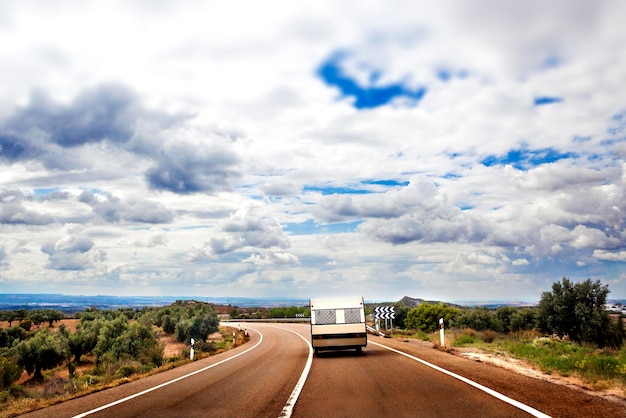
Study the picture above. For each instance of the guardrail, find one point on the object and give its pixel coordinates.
(299, 320)
(373, 331)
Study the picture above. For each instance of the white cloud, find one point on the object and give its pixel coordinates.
(618, 256)
(197, 145)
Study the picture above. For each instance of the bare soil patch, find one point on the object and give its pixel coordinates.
(615, 394)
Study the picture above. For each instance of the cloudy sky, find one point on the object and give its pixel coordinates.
(447, 150)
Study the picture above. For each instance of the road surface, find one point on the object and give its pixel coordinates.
(263, 378)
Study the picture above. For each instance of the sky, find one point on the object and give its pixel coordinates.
(456, 151)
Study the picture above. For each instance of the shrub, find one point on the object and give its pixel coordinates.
(489, 336)
(55, 387)
(26, 324)
(204, 346)
(127, 370)
(10, 372)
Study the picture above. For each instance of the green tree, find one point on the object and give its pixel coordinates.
(400, 313)
(20, 314)
(44, 350)
(478, 318)
(84, 340)
(37, 316)
(53, 315)
(10, 316)
(524, 319)
(9, 336)
(204, 324)
(426, 316)
(183, 331)
(109, 333)
(168, 324)
(503, 318)
(577, 310)
(119, 339)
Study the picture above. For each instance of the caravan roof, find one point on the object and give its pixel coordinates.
(337, 303)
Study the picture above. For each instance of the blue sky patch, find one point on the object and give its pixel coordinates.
(45, 191)
(523, 159)
(365, 97)
(311, 227)
(328, 190)
(545, 100)
(444, 75)
(552, 61)
(391, 183)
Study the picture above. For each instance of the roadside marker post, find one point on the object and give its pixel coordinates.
(441, 337)
(191, 349)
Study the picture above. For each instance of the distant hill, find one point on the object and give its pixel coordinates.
(411, 302)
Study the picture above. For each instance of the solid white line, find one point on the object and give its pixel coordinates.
(491, 392)
(93, 411)
(291, 402)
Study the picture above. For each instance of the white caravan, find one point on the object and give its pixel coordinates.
(338, 323)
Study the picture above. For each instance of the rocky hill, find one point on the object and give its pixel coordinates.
(411, 302)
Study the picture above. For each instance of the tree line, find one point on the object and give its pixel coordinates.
(573, 310)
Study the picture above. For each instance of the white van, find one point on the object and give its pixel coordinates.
(338, 323)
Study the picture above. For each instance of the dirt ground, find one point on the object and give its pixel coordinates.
(615, 394)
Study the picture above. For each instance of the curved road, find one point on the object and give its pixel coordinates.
(391, 378)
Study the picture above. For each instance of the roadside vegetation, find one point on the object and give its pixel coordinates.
(274, 313)
(569, 333)
(43, 360)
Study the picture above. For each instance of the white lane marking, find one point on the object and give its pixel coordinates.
(491, 392)
(291, 402)
(119, 401)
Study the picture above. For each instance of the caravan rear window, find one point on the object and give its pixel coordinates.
(352, 315)
(325, 316)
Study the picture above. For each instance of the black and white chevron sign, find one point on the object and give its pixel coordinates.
(384, 312)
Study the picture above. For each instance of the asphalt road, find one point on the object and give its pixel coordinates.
(262, 377)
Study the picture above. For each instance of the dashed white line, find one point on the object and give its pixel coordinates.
(485, 389)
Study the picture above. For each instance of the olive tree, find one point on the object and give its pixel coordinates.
(577, 310)
(426, 316)
(44, 350)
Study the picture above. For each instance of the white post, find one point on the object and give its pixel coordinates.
(191, 350)
(441, 338)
